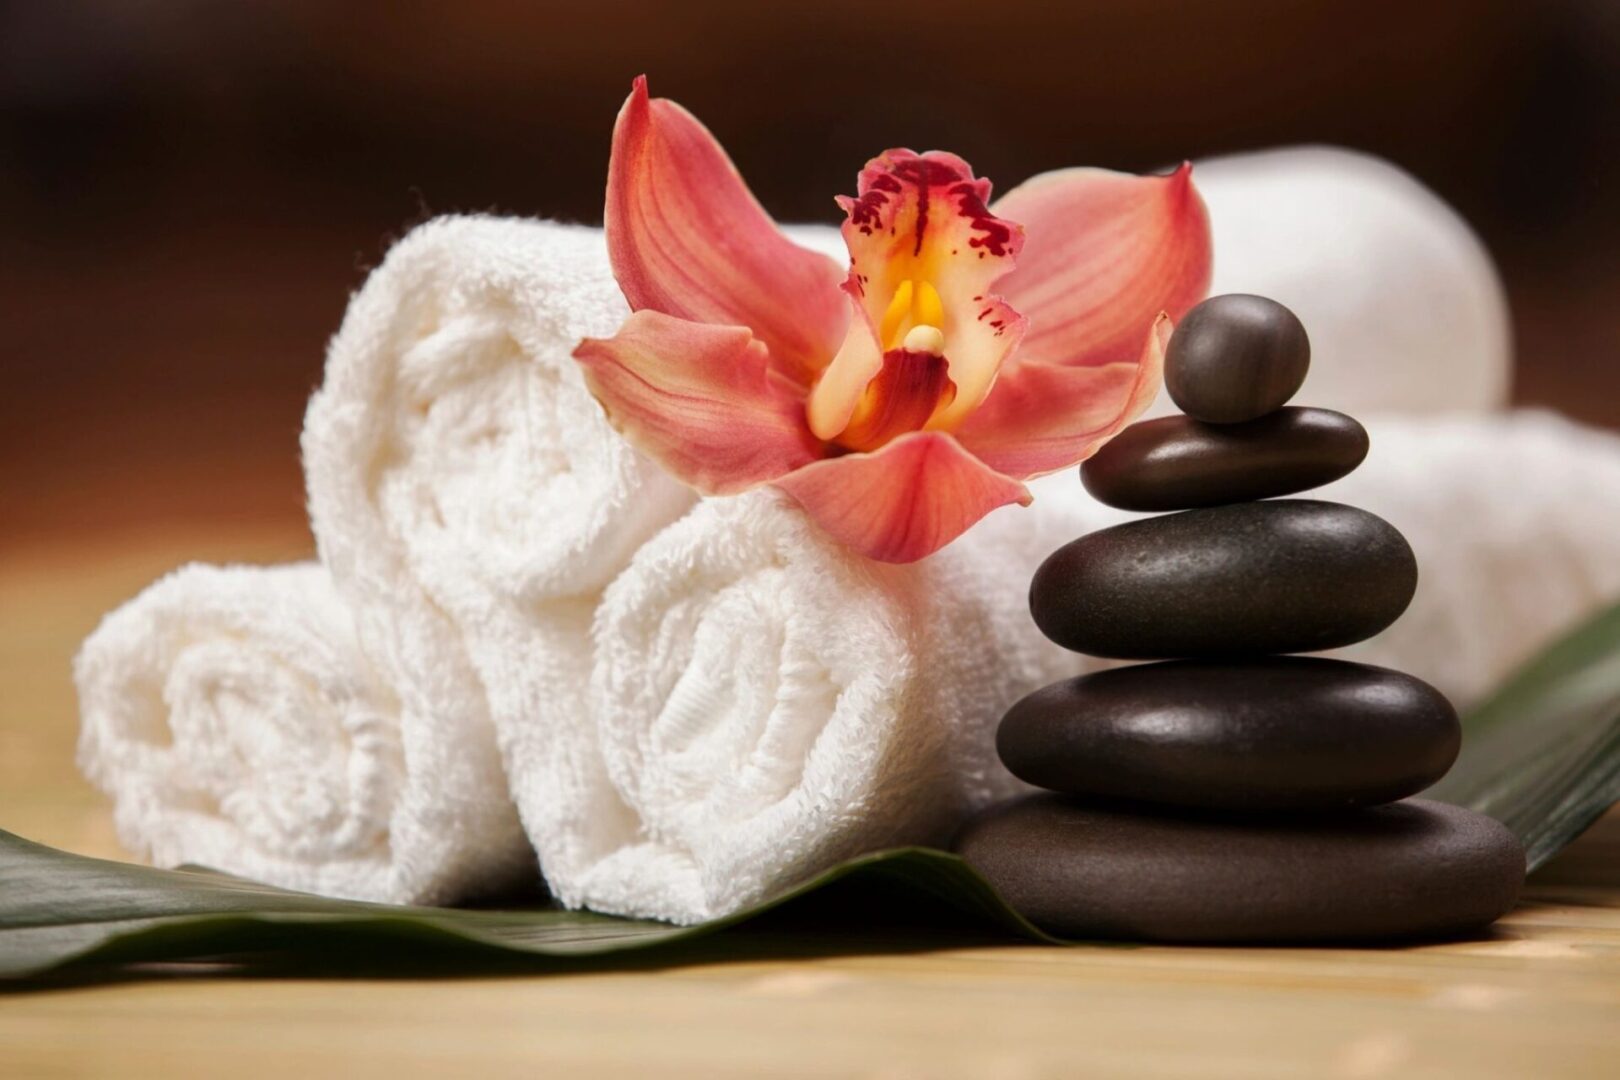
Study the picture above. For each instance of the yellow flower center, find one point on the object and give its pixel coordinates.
(916, 303)
(852, 403)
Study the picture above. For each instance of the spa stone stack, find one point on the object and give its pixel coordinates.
(1235, 793)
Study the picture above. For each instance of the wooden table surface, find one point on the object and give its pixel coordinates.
(1540, 998)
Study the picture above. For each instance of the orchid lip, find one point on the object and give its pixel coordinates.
(924, 253)
(910, 388)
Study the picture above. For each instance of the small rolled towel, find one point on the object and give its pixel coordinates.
(1515, 521)
(766, 703)
(471, 500)
(231, 717)
(1403, 304)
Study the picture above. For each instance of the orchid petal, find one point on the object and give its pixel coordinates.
(1107, 252)
(924, 250)
(1043, 417)
(904, 501)
(687, 238)
(701, 400)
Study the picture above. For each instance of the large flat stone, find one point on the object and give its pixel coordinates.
(1280, 733)
(1413, 869)
(1290, 575)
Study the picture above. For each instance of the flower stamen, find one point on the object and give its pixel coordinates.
(916, 302)
(923, 338)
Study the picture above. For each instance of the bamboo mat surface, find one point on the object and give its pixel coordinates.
(1539, 998)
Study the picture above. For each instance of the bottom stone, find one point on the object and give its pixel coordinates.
(1412, 869)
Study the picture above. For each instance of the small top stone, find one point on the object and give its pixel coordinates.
(1236, 357)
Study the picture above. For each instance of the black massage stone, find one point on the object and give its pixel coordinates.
(1283, 733)
(1235, 358)
(1407, 870)
(1177, 463)
(1291, 575)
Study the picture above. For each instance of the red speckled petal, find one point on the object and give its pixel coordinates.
(922, 218)
(699, 399)
(905, 501)
(1044, 417)
(688, 238)
(1106, 253)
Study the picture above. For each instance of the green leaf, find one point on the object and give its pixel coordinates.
(1543, 756)
(62, 910)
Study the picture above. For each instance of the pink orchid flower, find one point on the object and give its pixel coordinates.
(898, 402)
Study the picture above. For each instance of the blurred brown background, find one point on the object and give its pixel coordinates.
(190, 190)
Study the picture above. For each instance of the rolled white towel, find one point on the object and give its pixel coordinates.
(767, 704)
(471, 499)
(230, 715)
(1402, 303)
(1515, 521)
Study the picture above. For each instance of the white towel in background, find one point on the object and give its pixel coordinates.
(766, 704)
(229, 714)
(1515, 521)
(1402, 303)
(471, 499)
